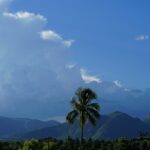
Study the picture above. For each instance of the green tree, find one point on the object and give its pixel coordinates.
(84, 108)
(32, 145)
(49, 146)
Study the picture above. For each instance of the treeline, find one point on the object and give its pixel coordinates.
(70, 144)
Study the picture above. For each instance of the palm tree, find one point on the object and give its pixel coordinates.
(84, 108)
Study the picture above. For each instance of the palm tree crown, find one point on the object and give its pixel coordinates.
(84, 107)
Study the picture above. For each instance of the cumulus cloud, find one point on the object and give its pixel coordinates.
(89, 78)
(33, 73)
(24, 16)
(142, 37)
(53, 36)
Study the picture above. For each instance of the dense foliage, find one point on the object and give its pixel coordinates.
(70, 144)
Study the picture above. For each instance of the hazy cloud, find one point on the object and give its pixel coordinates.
(33, 72)
(89, 78)
(142, 37)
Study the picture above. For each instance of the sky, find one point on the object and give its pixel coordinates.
(49, 48)
(111, 37)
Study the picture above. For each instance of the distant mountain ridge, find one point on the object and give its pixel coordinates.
(109, 127)
(11, 126)
(114, 96)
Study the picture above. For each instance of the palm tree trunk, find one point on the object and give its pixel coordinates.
(48, 143)
(82, 137)
(81, 140)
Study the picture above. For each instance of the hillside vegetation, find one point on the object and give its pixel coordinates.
(70, 144)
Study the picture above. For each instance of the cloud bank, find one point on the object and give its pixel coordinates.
(33, 72)
(36, 78)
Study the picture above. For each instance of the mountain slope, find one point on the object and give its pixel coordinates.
(121, 125)
(11, 126)
(108, 127)
(64, 130)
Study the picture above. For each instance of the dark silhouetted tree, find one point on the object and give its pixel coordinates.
(84, 109)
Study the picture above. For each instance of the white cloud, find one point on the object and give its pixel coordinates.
(89, 78)
(142, 37)
(53, 36)
(118, 83)
(24, 16)
(50, 35)
(33, 73)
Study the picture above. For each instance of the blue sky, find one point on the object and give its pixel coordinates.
(50, 48)
(105, 35)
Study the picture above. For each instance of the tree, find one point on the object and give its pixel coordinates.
(32, 145)
(84, 109)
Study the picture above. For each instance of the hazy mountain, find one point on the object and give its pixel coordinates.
(121, 125)
(114, 96)
(112, 126)
(11, 126)
(147, 119)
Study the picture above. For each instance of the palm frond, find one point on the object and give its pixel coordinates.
(93, 112)
(83, 106)
(88, 95)
(91, 93)
(77, 106)
(95, 106)
(91, 118)
(71, 116)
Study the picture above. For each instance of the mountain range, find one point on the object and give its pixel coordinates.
(12, 126)
(109, 127)
(113, 96)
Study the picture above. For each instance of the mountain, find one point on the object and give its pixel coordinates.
(11, 126)
(121, 125)
(113, 96)
(147, 119)
(108, 127)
